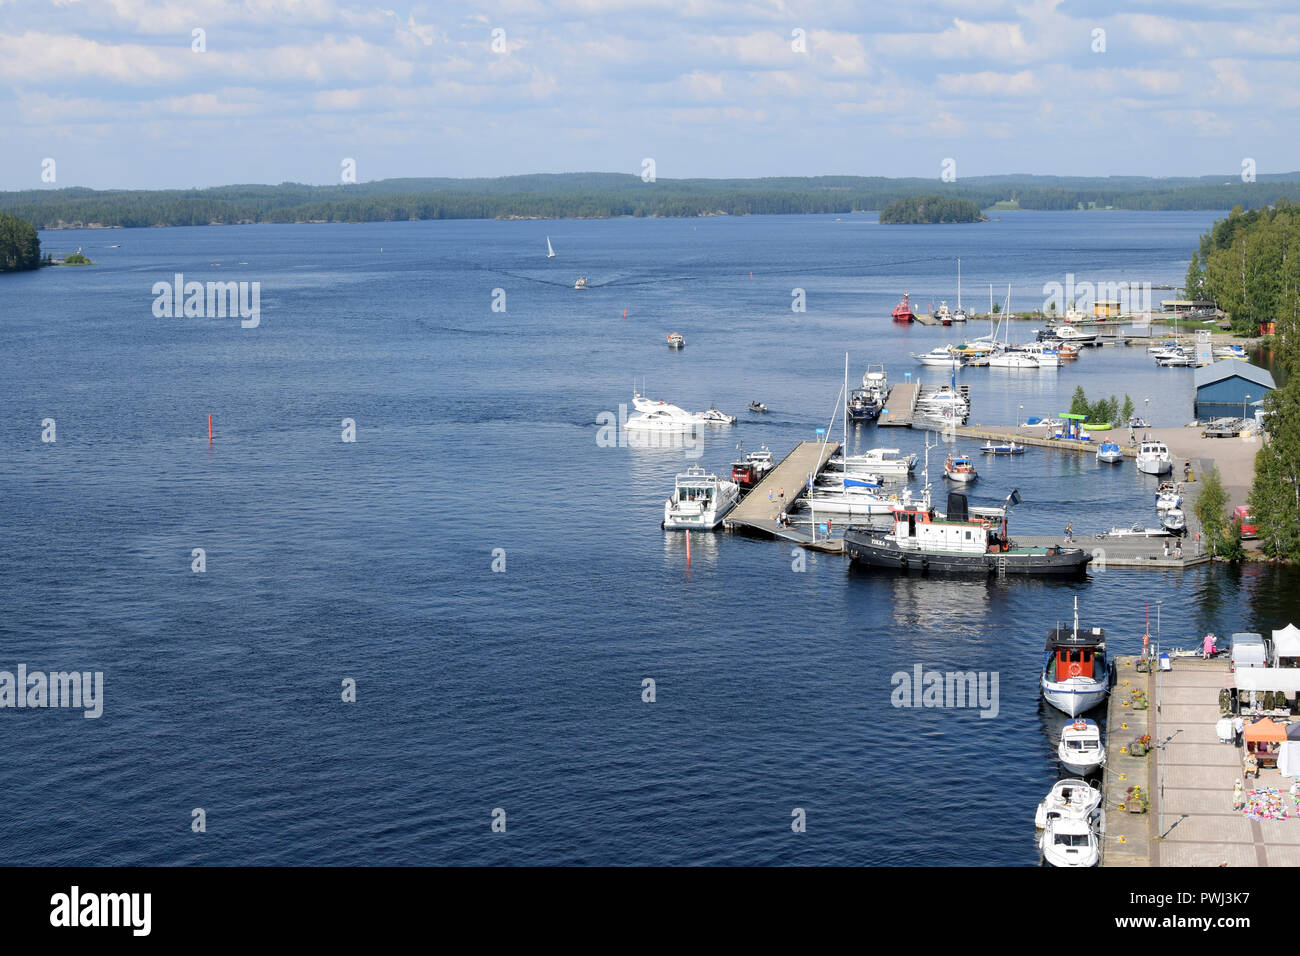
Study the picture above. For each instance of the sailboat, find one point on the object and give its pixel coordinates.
(960, 314)
(550, 253)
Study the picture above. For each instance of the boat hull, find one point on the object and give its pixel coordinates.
(1155, 467)
(1074, 697)
(879, 551)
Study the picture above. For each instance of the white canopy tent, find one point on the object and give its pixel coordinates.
(1267, 678)
(1286, 644)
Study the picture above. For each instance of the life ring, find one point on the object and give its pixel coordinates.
(1080, 725)
(1075, 670)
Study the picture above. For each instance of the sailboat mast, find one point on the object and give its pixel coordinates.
(958, 285)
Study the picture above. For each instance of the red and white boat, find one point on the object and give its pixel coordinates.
(903, 311)
(750, 470)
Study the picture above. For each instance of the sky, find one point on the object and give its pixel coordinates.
(126, 93)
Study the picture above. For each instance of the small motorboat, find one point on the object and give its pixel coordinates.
(862, 406)
(1005, 448)
(1081, 750)
(942, 356)
(581, 283)
(959, 468)
(1153, 458)
(1174, 521)
(676, 340)
(758, 407)
(714, 417)
(1067, 798)
(1069, 841)
(1138, 423)
(1167, 497)
(1109, 453)
(1136, 531)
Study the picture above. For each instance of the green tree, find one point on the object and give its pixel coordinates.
(1211, 509)
(1079, 403)
(1194, 284)
(1127, 414)
(20, 248)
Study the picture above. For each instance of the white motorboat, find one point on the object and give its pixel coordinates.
(942, 356)
(889, 462)
(876, 381)
(1175, 358)
(714, 417)
(676, 340)
(959, 468)
(1153, 458)
(661, 416)
(1068, 841)
(1081, 749)
(1168, 497)
(848, 501)
(960, 316)
(1160, 347)
(1076, 674)
(581, 283)
(1135, 531)
(943, 397)
(1110, 453)
(700, 500)
(1044, 354)
(1068, 798)
(1174, 521)
(1068, 333)
(1013, 359)
(1002, 448)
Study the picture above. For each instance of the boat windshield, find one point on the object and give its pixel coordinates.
(1072, 839)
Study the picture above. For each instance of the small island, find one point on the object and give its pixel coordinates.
(930, 209)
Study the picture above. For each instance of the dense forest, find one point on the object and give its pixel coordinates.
(930, 209)
(1250, 264)
(20, 248)
(604, 195)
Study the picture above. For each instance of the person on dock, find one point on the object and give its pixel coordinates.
(1238, 729)
(1132, 435)
(1069, 532)
(1236, 795)
(1187, 471)
(1166, 547)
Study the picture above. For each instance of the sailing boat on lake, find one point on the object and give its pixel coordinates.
(550, 253)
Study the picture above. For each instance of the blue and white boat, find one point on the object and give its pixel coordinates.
(1076, 673)
(1109, 453)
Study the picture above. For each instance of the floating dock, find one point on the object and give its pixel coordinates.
(1128, 552)
(900, 406)
(758, 511)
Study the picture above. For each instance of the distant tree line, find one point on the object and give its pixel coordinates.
(605, 195)
(930, 209)
(1102, 411)
(20, 248)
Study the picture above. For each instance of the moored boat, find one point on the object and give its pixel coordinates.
(1153, 458)
(1068, 798)
(1070, 842)
(1081, 749)
(941, 356)
(700, 500)
(965, 540)
(752, 468)
(903, 311)
(1002, 448)
(1109, 452)
(1076, 674)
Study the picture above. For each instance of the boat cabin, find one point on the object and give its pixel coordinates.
(696, 484)
(961, 530)
(1076, 652)
(1156, 448)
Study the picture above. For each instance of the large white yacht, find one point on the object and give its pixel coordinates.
(886, 462)
(700, 500)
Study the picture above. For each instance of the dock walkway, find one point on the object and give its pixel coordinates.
(900, 406)
(1128, 836)
(758, 511)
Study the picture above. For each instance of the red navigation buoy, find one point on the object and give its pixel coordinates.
(209, 429)
(688, 547)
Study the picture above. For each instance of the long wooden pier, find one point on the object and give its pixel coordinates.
(777, 491)
(1127, 837)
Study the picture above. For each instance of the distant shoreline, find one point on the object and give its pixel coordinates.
(612, 195)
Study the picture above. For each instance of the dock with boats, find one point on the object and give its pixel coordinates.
(758, 511)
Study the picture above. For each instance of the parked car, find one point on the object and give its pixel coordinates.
(1242, 516)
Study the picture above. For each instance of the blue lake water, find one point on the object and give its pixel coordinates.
(476, 431)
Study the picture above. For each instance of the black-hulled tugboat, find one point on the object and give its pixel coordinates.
(966, 540)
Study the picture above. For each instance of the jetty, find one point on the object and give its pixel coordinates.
(757, 512)
(900, 406)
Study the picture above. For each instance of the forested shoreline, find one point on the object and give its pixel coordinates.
(20, 247)
(609, 195)
(930, 210)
